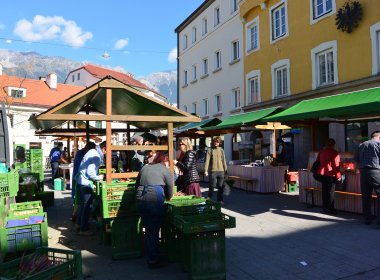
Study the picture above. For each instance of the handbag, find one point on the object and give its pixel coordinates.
(314, 169)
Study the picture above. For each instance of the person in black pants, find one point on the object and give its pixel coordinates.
(368, 157)
(329, 171)
(55, 157)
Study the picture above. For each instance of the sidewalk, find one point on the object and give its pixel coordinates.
(276, 237)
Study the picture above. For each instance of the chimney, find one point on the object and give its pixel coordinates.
(51, 80)
(43, 79)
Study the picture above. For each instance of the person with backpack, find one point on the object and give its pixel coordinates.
(216, 168)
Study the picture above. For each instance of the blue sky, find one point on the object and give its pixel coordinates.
(138, 35)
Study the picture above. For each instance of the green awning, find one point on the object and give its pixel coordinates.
(244, 119)
(199, 125)
(346, 106)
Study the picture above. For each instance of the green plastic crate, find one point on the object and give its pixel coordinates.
(126, 192)
(203, 255)
(126, 238)
(201, 223)
(25, 209)
(292, 187)
(9, 183)
(171, 241)
(121, 208)
(23, 238)
(186, 207)
(66, 264)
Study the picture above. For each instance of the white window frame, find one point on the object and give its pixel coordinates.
(194, 72)
(235, 50)
(218, 59)
(332, 45)
(234, 6)
(193, 34)
(249, 26)
(185, 78)
(73, 78)
(375, 45)
(280, 66)
(205, 107)
(216, 16)
(218, 103)
(16, 92)
(236, 98)
(253, 75)
(314, 18)
(78, 76)
(273, 10)
(185, 41)
(194, 108)
(205, 66)
(204, 26)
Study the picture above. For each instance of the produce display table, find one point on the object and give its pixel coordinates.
(267, 179)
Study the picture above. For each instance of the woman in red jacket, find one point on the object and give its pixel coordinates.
(329, 162)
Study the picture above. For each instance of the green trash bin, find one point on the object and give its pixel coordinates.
(59, 184)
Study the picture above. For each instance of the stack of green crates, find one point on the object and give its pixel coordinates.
(36, 163)
(25, 228)
(120, 224)
(194, 234)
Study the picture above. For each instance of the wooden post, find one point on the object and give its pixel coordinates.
(109, 136)
(170, 146)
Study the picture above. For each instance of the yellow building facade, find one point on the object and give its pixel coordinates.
(293, 49)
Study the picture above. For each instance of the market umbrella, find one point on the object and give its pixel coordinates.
(273, 126)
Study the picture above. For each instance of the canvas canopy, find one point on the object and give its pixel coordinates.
(360, 104)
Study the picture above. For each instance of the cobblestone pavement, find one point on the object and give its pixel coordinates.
(276, 237)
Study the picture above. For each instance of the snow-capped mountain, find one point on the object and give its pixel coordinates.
(33, 65)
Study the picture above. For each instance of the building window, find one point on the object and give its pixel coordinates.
(252, 35)
(78, 76)
(236, 98)
(205, 107)
(194, 111)
(17, 93)
(194, 67)
(280, 78)
(185, 77)
(234, 6)
(73, 78)
(218, 103)
(216, 16)
(253, 87)
(205, 66)
(324, 64)
(194, 34)
(321, 7)
(185, 108)
(218, 59)
(235, 50)
(204, 26)
(184, 41)
(279, 21)
(375, 44)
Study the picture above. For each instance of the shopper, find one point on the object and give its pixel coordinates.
(368, 157)
(88, 174)
(188, 166)
(329, 171)
(55, 159)
(75, 192)
(138, 156)
(154, 185)
(216, 168)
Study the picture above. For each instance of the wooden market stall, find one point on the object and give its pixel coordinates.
(110, 100)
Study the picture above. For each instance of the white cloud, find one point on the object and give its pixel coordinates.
(120, 44)
(172, 57)
(49, 28)
(2, 26)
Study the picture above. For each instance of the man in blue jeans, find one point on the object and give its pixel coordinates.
(55, 157)
(87, 175)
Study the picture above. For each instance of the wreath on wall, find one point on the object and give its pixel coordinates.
(348, 17)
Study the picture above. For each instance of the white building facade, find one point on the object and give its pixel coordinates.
(210, 63)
